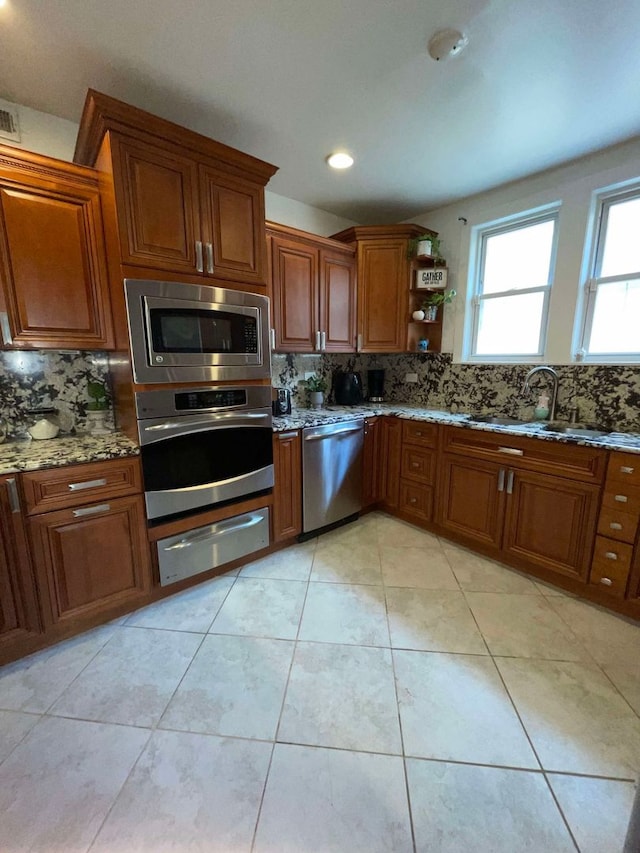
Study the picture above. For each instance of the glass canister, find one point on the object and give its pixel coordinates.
(45, 425)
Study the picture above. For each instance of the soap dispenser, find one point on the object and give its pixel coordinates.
(541, 410)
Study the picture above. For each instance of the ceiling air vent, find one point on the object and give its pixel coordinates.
(9, 122)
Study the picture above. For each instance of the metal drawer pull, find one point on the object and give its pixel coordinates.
(209, 247)
(91, 510)
(418, 432)
(359, 343)
(320, 437)
(501, 480)
(413, 500)
(622, 499)
(323, 341)
(14, 499)
(283, 435)
(272, 333)
(512, 451)
(199, 263)
(624, 469)
(606, 581)
(88, 484)
(611, 555)
(5, 328)
(221, 529)
(415, 464)
(318, 341)
(615, 525)
(510, 483)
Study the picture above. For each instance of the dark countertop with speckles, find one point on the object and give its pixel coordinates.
(31, 455)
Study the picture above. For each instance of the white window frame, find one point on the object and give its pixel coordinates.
(604, 201)
(550, 213)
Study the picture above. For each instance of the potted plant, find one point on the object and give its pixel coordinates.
(434, 300)
(97, 408)
(424, 246)
(316, 386)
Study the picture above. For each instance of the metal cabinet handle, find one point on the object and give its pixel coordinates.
(622, 499)
(624, 469)
(359, 343)
(318, 341)
(413, 500)
(415, 464)
(209, 248)
(418, 432)
(614, 525)
(199, 263)
(606, 581)
(323, 341)
(91, 510)
(14, 498)
(611, 555)
(88, 484)
(282, 436)
(501, 480)
(5, 329)
(220, 530)
(272, 333)
(510, 483)
(511, 451)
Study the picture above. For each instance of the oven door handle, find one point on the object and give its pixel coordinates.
(183, 426)
(215, 530)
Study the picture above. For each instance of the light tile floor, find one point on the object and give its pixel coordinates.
(374, 690)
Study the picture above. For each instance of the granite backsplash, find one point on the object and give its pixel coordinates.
(608, 395)
(39, 379)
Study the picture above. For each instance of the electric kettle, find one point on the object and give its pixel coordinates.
(347, 388)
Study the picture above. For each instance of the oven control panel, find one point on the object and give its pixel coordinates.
(210, 399)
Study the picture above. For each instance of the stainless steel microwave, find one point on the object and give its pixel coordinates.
(195, 333)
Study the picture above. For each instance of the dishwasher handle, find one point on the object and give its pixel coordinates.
(320, 436)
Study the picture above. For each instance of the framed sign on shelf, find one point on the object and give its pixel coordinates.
(434, 278)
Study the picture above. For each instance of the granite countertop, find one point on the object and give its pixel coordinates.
(301, 418)
(30, 455)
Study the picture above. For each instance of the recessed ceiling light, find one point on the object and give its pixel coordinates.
(445, 44)
(340, 160)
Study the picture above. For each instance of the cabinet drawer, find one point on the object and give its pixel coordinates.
(73, 485)
(624, 468)
(416, 499)
(418, 464)
(623, 497)
(607, 572)
(545, 456)
(622, 526)
(415, 432)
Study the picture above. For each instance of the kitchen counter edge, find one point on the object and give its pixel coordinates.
(31, 455)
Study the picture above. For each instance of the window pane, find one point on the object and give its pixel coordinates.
(616, 319)
(510, 325)
(518, 259)
(621, 254)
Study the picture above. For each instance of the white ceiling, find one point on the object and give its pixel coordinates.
(291, 80)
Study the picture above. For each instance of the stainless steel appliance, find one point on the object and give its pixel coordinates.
(196, 333)
(331, 473)
(201, 446)
(199, 550)
(375, 385)
(347, 388)
(282, 402)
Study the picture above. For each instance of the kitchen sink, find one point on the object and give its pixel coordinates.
(578, 431)
(497, 420)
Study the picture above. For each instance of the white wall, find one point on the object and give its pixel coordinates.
(573, 186)
(45, 134)
(286, 211)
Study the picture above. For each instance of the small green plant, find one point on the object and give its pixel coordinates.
(435, 245)
(316, 383)
(98, 393)
(441, 298)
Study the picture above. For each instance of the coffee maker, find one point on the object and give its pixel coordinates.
(375, 385)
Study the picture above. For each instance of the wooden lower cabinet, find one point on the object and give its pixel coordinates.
(91, 558)
(287, 490)
(19, 612)
(390, 459)
(370, 462)
(471, 500)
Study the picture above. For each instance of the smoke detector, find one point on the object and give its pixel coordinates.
(9, 121)
(445, 44)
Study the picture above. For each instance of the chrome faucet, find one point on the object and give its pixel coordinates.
(554, 391)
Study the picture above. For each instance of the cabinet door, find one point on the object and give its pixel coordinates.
(471, 499)
(91, 558)
(233, 227)
(551, 522)
(19, 616)
(295, 295)
(371, 462)
(390, 450)
(287, 490)
(53, 265)
(338, 301)
(383, 292)
(157, 205)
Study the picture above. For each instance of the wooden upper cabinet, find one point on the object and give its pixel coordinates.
(337, 299)
(313, 284)
(295, 304)
(184, 203)
(158, 211)
(53, 265)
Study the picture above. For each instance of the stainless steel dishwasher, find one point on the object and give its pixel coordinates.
(331, 473)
